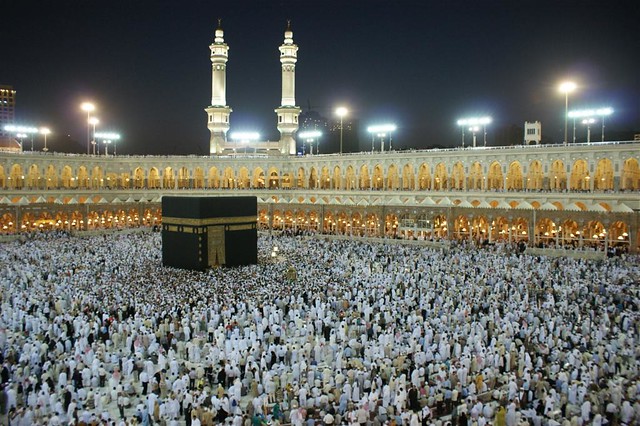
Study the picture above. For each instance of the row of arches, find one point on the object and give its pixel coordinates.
(546, 233)
(77, 220)
(514, 176)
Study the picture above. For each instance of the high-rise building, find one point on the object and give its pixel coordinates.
(7, 107)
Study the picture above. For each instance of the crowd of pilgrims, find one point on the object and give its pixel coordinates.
(96, 331)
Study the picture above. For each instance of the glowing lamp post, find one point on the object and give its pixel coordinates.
(341, 112)
(22, 132)
(381, 131)
(589, 114)
(107, 138)
(45, 132)
(93, 121)
(244, 138)
(566, 88)
(309, 137)
(474, 123)
(588, 122)
(88, 107)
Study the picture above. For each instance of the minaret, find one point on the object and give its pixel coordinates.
(288, 112)
(218, 112)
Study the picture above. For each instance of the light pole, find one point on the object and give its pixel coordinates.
(22, 132)
(341, 112)
(244, 138)
(589, 113)
(107, 138)
(566, 88)
(381, 130)
(45, 131)
(310, 136)
(588, 122)
(88, 107)
(474, 123)
(93, 121)
(473, 130)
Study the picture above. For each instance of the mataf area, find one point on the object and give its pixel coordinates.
(95, 331)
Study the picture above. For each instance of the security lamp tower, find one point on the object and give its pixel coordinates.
(288, 112)
(218, 112)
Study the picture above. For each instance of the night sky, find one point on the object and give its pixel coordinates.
(421, 64)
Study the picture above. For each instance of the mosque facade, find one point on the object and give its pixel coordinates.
(576, 195)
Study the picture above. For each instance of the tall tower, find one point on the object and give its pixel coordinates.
(288, 112)
(218, 112)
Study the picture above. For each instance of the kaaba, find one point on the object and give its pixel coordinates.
(205, 232)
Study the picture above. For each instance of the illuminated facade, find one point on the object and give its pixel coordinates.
(582, 195)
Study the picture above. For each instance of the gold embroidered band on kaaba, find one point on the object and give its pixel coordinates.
(209, 221)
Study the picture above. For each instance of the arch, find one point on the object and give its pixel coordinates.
(3, 178)
(499, 230)
(244, 181)
(441, 178)
(364, 181)
(33, 177)
(535, 176)
(138, 178)
(514, 177)
(619, 235)
(594, 234)
(111, 180)
(440, 226)
(393, 180)
(168, 178)
(8, 223)
(213, 178)
(378, 178)
(51, 177)
(558, 176)
(603, 178)
(476, 177)
(408, 178)
(569, 233)
(461, 228)
(630, 175)
(325, 178)
(424, 177)
(479, 228)
(274, 178)
(545, 233)
(154, 178)
(337, 178)
(301, 180)
(16, 177)
(97, 178)
(357, 225)
(229, 178)
(579, 180)
(351, 180)
(287, 180)
(66, 177)
(263, 219)
(124, 180)
(391, 225)
(184, 178)
(495, 178)
(198, 178)
(313, 178)
(458, 177)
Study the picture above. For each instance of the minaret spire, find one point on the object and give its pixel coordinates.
(218, 112)
(288, 112)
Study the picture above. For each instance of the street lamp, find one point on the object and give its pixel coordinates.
(588, 113)
(107, 138)
(381, 130)
(309, 136)
(566, 88)
(22, 132)
(588, 122)
(474, 123)
(45, 132)
(341, 112)
(244, 138)
(93, 121)
(88, 107)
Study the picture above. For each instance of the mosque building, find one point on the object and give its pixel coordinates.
(552, 196)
